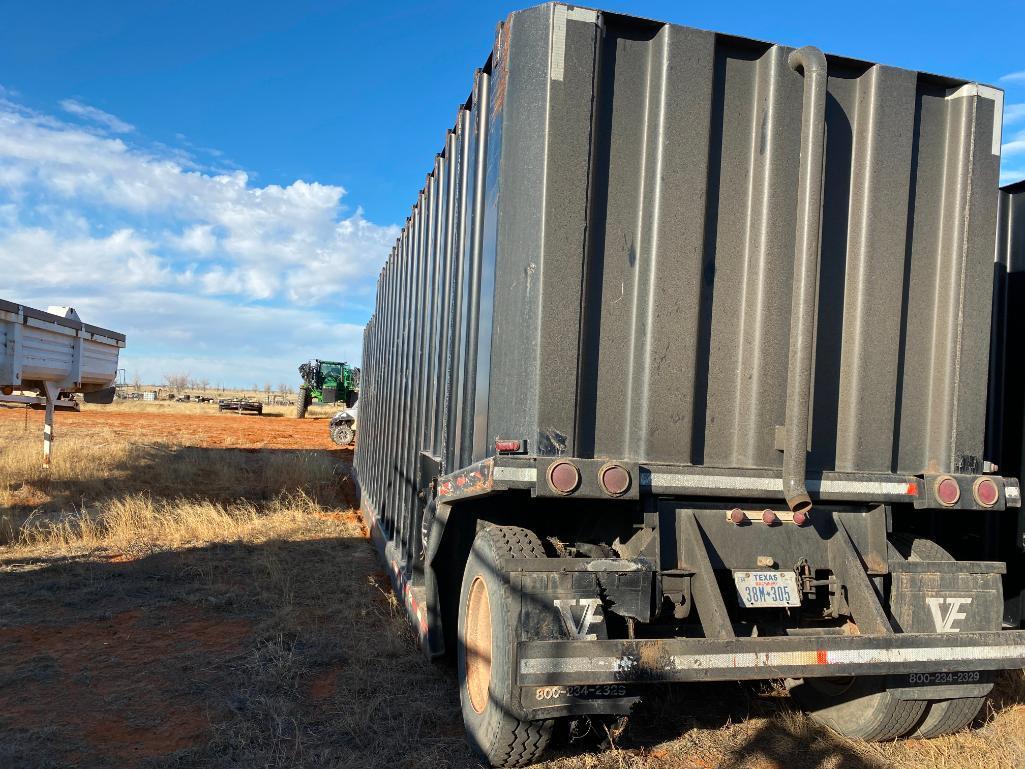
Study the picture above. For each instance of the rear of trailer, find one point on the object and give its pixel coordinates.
(683, 338)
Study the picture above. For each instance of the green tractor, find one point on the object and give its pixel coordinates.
(326, 381)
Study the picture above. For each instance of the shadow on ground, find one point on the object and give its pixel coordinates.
(288, 654)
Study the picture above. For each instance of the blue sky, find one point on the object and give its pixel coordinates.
(222, 180)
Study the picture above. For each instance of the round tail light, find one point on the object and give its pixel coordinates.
(947, 491)
(986, 492)
(614, 480)
(737, 516)
(563, 477)
(800, 518)
(769, 518)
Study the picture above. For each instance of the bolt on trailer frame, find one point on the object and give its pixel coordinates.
(684, 337)
(52, 353)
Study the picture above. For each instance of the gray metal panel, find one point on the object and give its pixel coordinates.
(619, 205)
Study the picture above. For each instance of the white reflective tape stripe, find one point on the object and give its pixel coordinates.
(528, 474)
(690, 480)
(993, 94)
(715, 481)
(558, 53)
(539, 665)
(560, 14)
(1012, 492)
(935, 654)
(859, 487)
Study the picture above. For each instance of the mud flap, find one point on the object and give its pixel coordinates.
(573, 599)
(944, 597)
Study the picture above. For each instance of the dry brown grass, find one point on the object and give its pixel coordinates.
(168, 605)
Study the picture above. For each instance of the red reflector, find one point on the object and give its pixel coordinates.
(737, 516)
(769, 517)
(507, 446)
(563, 477)
(800, 518)
(913, 489)
(615, 480)
(986, 492)
(947, 491)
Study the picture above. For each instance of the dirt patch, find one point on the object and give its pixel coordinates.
(112, 686)
(214, 430)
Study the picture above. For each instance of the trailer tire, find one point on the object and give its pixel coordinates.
(941, 716)
(859, 707)
(487, 633)
(302, 403)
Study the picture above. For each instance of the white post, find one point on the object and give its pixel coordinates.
(52, 391)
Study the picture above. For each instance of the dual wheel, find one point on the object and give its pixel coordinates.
(864, 707)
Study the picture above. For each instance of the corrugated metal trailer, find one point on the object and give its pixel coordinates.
(684, 335)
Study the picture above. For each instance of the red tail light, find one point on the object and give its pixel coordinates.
(508, 446)
(986, 492)
(563, 477)
(614, 479)
(947, 491)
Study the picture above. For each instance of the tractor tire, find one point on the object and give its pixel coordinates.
(487, 635)
(941, 716)
(343, 434)
(302, 403)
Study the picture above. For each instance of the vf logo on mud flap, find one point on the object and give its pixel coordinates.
(589, 611)
(946, 612)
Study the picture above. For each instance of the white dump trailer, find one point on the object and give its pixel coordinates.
(44, 355)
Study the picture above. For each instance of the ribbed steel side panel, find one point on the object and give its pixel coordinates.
(600, 263)
(1003, 537)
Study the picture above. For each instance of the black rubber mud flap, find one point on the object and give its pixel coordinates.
(958, 697)
(486, 651)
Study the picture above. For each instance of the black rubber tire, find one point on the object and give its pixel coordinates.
(941, 716)
(343, 434)
(859, 707)
(495, 733)
(302, 403)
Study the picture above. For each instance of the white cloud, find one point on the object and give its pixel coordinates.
(147, 241)
(96, 115)
(1013, 113)
(1013, 77)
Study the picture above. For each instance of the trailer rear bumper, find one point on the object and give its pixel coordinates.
(576, 663)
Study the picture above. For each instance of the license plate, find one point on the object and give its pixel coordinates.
(758, 589)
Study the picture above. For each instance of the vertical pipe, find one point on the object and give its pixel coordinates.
(480, 106)
(812, 63)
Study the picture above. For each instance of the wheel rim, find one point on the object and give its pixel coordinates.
(478, 645)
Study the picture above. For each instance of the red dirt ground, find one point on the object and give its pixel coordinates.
(211, 430)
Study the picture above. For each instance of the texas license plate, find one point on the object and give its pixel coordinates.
(759, 589)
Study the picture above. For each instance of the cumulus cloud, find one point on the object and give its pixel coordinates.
(96, 115)
(91, 219)
(1013, 77)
